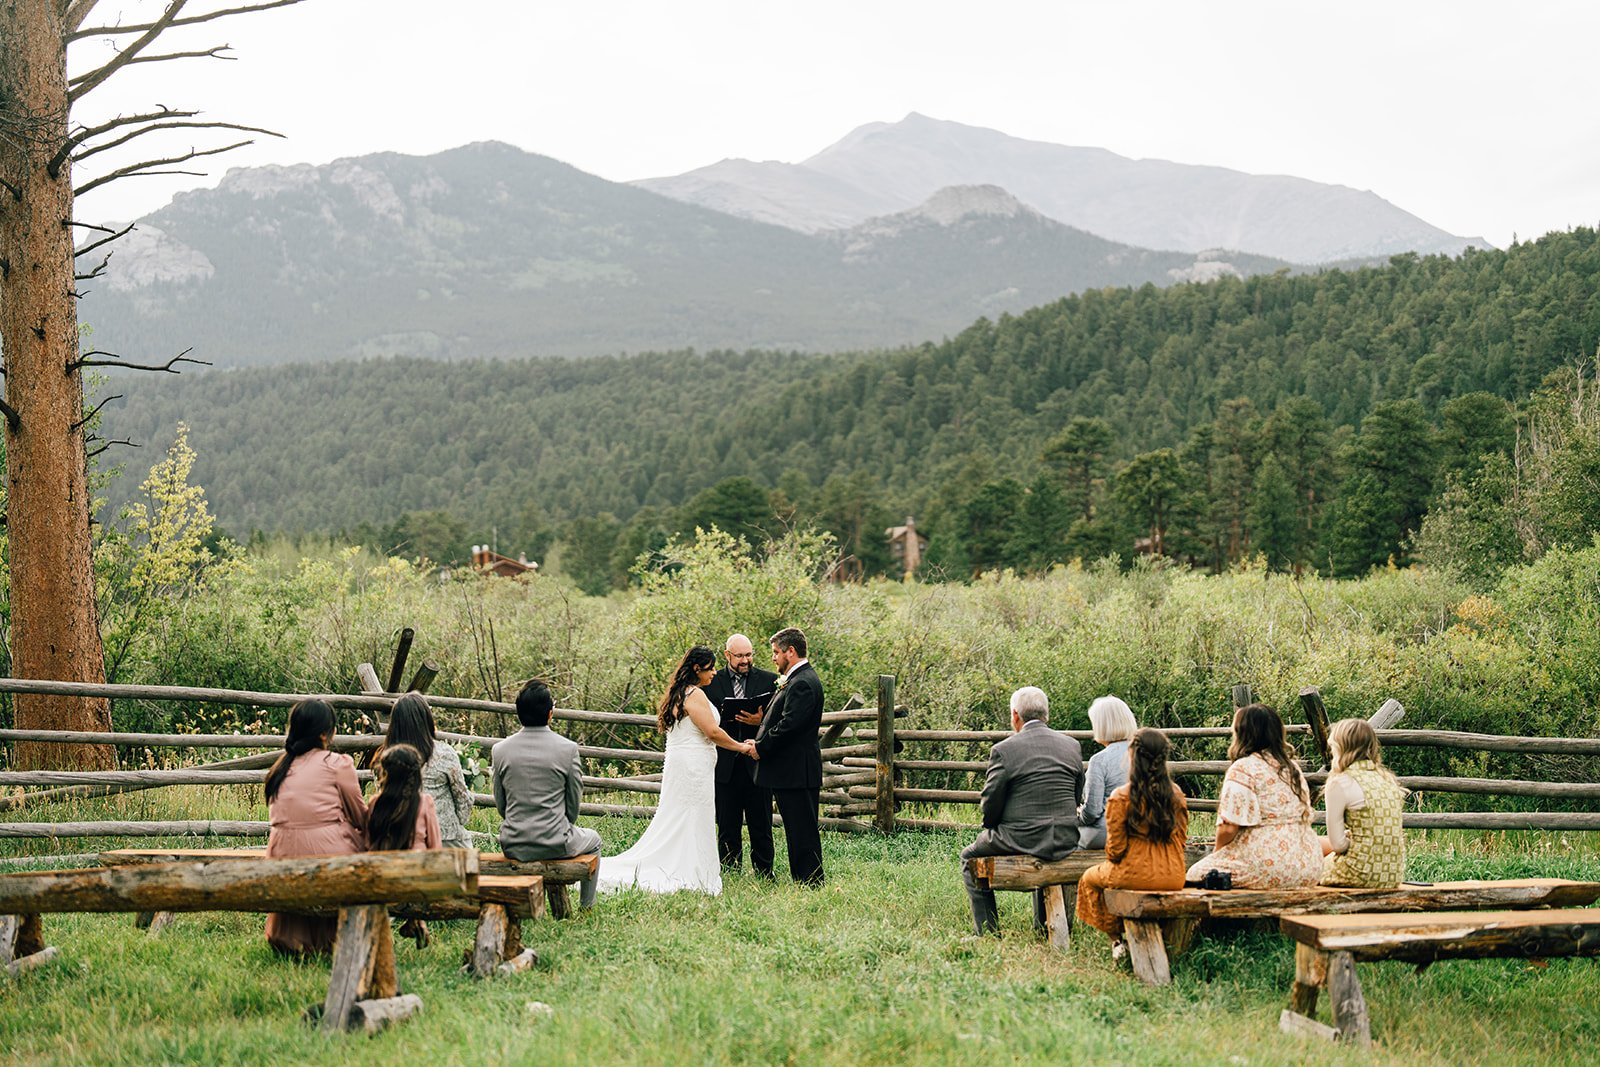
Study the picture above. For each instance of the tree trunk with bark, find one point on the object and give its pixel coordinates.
(55, 630)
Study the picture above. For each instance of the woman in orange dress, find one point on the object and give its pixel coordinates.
(1147, 823)
(316, 810)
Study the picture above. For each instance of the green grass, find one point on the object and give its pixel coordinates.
(874, 968)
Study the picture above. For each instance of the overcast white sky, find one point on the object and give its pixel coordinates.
(1478, 116)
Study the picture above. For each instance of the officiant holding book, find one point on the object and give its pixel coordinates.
(740, 692)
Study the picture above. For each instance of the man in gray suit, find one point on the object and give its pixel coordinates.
(538, 784)
(1030, 801)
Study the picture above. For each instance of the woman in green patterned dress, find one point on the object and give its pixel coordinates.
(1365, 846)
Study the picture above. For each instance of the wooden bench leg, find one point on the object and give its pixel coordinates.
(1057, 919)
(498, 948)
(10, 927)
(555, 893)
(22, 946)
(1349, 1006)
(1310, 975)
(1146, 951)
(159, 922)
(363, 966)
(1179, 934)
(20, 936)
(489, 950)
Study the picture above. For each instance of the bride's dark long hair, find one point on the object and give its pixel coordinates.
(671, 710)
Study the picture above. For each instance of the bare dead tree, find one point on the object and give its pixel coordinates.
(55, 630)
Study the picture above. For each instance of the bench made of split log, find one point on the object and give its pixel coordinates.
(1145, 912)
(1052, 877)
(500, 903)
(1328, 946)
(557, 874)
(362, 987)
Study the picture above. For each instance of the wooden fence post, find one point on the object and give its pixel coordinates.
(1317, 717)
(884, 819)
(402, 650)
(1243, 696)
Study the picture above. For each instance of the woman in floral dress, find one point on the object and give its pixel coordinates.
(1264, 835)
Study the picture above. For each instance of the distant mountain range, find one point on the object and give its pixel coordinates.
(884, 167)
(487, 250)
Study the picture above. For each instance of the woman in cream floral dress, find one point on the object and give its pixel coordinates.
(1264, 835)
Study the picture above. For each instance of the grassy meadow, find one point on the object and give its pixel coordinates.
(877, 967)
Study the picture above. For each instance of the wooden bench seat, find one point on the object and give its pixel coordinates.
(1024, 873)
(514, 897)
(557, 874)
(1145, 911)
(1328, 946)
(362, 988)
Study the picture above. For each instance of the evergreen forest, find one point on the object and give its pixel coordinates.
(1434, 408)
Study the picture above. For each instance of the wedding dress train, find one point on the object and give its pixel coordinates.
(679, 847)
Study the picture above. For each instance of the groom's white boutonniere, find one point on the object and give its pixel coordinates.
(780, 683)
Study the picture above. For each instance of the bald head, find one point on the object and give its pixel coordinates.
(740, 653)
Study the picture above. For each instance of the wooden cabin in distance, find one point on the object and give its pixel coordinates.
(906, 547)
(485, 561)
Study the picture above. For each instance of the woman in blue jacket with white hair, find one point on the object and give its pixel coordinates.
(1113, 724)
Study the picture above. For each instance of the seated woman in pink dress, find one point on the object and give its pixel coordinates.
(316, 810)
(1264, 835)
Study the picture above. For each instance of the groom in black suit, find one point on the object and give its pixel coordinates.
(739, 800)
(789, 755)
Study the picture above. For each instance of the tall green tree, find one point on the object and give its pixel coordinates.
(1080, 453)
(1274, 515)
(55, 623)
(988, 521)
(736, 506)
(1151, 488)
(1472, 427)
(1385, 495)
(1042, 523)
(1298, 433)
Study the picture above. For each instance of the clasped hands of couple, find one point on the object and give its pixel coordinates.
(749, 718)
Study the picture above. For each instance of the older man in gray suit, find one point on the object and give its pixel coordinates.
(538, 784)
(1030, 801)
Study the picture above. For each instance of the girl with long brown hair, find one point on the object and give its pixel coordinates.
(1264, 835)
(1147, 823)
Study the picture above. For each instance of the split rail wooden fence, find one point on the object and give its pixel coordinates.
(878, 775)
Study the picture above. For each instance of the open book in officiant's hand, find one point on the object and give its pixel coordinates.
(739, 705)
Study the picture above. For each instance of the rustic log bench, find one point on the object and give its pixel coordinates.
(1058, 879)
(1328, 946)
(362, 989)
(499, 904)
(557, 874)
(1146, 912)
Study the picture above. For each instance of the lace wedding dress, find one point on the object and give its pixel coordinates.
(679, 847)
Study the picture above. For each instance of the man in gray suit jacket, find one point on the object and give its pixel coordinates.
(538, 784)
(1030, 801)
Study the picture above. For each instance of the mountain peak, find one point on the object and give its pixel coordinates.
(956, 202)
(881, 168)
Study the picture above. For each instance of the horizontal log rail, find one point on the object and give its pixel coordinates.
(342, 701)
(1079, 735)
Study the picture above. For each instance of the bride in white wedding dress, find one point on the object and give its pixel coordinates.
(679, 847)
